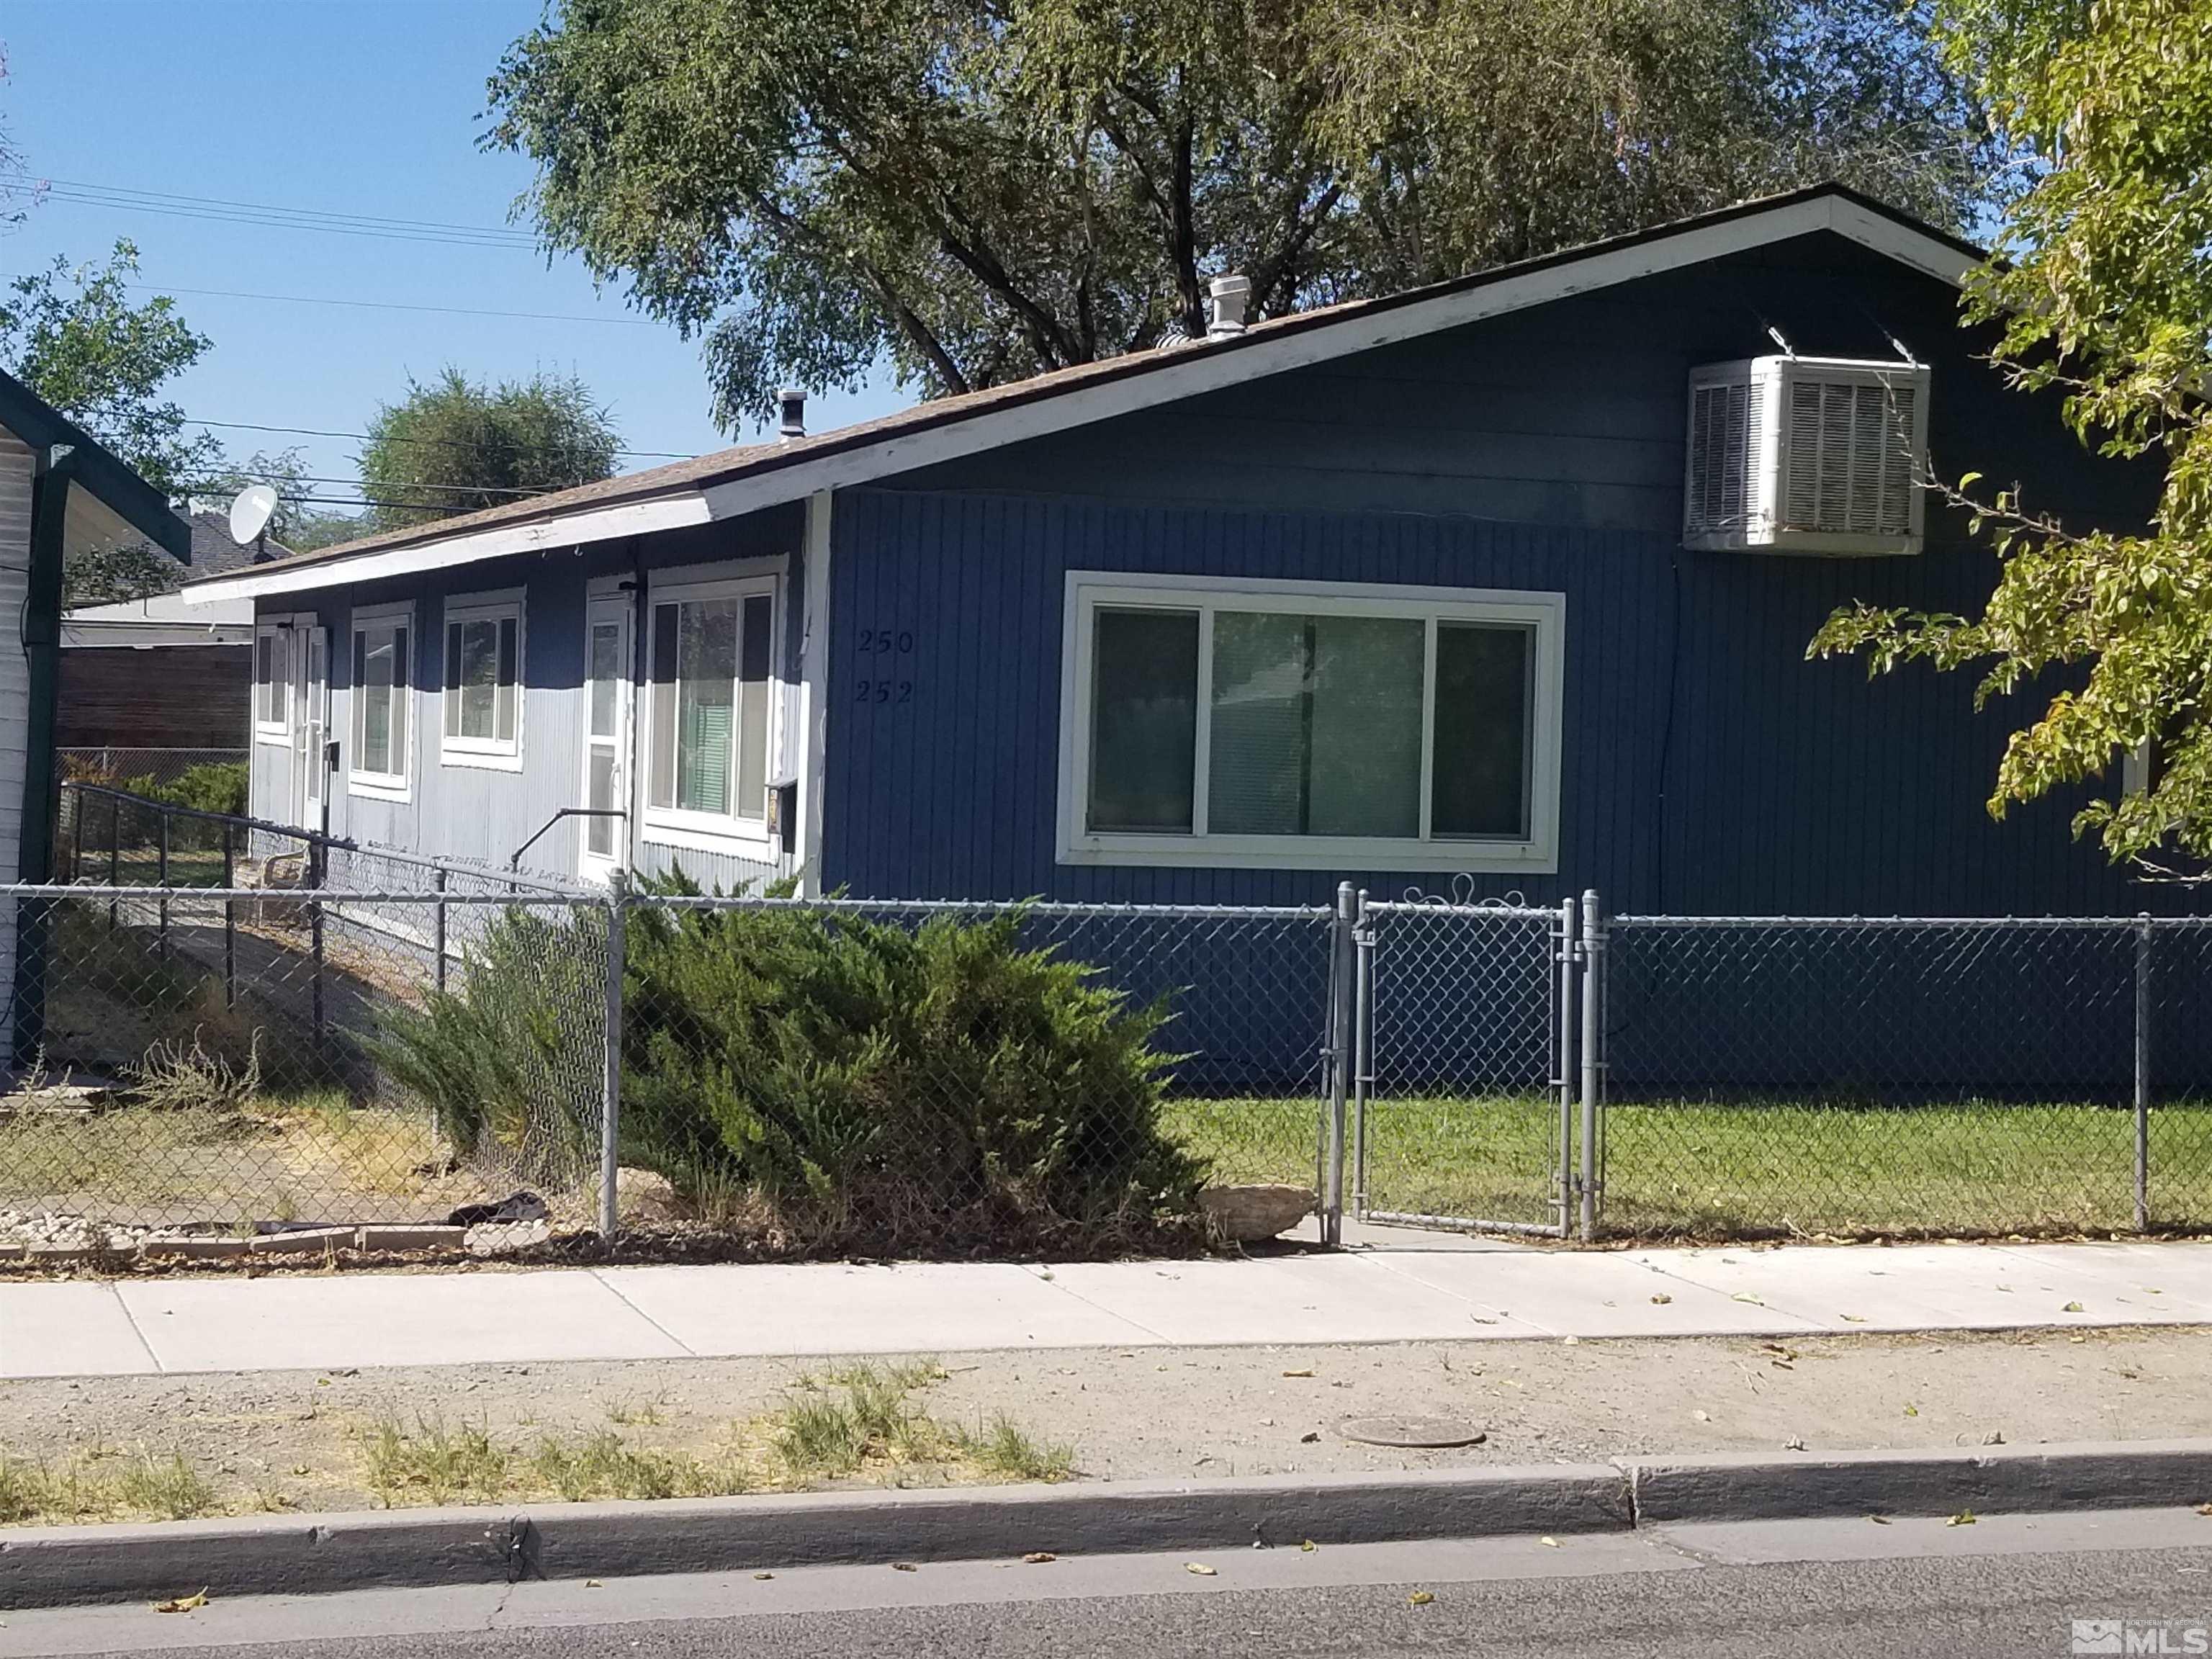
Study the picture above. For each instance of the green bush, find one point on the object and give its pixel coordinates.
(829, 1079)
(211, 786)
(512, 1058)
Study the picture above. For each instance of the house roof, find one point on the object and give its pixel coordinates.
(742, 479)
(170, 618)
(132, 505)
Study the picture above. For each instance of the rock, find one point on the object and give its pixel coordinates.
(644, 1197)
(1241, 1215)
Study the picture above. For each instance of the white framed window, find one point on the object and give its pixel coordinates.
(481, 704)
(1344, 725)
(382, 698)
(711, 717)
(272, 683)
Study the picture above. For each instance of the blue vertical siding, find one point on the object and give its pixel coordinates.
(1707, 767)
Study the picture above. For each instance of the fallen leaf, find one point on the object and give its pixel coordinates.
(1419, 1599)
(1794, 1443)
(1571, 1341)
(763, 1574)
(1310, 1546)
(182, 1603)
(1307, 1371)
(1745, 1295)
(1702, 1417)
(1852, 1319)
(1038, 1557)
(904, 1566)
(1913, 1411)
(593, 1583)
(1662, 1298)
(1879, 1520)
(2077, 1337)
(1200, 1568)
(2204, 1508)
(2071, 1307)
(1548, 1541)
(1963, 1518)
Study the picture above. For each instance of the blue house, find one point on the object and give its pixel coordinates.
(1510, 577)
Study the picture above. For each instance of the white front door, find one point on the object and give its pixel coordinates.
(311, 723)
(604, 838)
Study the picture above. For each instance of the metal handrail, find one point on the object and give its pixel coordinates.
(514, 859)
(316, 838)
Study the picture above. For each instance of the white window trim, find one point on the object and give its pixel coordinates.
(386, 786)
(489, 753)
(599, 594)
(1545, 613)
(281, 630)
(708, 832)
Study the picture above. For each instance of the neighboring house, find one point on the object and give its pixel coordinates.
(159, 673)
(59, 491)
(1392, 590)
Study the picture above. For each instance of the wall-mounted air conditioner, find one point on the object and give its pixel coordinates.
(1806, 455)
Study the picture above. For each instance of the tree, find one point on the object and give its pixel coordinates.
(2102, 292)
(73, 337)
(974, 190)
(453, 447)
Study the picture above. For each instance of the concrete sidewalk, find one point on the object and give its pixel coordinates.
(151, 1326)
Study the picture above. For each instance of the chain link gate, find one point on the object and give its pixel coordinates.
(1465, 1088)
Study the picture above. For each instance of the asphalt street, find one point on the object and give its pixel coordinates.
(2003, 1586)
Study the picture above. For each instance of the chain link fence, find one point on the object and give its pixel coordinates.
(296, 1031)
(1854, 1076)
(397, 1041)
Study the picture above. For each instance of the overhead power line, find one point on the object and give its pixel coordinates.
(378, 305)
(442, 443)
(222, 210)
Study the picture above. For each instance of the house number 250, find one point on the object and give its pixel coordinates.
(880, 642)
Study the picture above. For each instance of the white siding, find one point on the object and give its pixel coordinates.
(16, 472)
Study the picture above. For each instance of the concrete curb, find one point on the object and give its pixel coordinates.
(1990, 1480)
(270, 1555)
(267, 1555)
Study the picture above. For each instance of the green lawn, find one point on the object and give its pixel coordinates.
(1699, 1169)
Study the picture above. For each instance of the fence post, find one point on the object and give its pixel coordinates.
(229, 916)
(315, 856)
(1362, 1051)
(1340, 1061)
(1593, 1057)
(2142, 1074)
(161, 876)
(438, 882)
(610, 1093)
(114, 853)
(1564, 1083)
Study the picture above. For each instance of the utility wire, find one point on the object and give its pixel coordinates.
(220, 210)
(443, 443)
(378, 305)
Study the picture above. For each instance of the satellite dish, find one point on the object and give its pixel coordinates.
(250, 513)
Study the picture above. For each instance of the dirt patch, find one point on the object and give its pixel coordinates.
(302, 1440)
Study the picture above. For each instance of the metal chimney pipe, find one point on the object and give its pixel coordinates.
(791, 405)
(1231, 293)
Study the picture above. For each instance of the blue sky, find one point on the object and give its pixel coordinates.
(361, 107)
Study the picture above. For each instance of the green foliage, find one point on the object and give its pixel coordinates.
(851, 1073)
(72, 335)
(2103, 293)
(977, 192)
(454, 446)
(510, 1058)
(211, 786)
(831, 1076)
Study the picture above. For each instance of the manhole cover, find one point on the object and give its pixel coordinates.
(1429, 1432)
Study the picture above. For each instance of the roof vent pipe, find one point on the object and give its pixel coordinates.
(1231, 293)
(790, 412)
